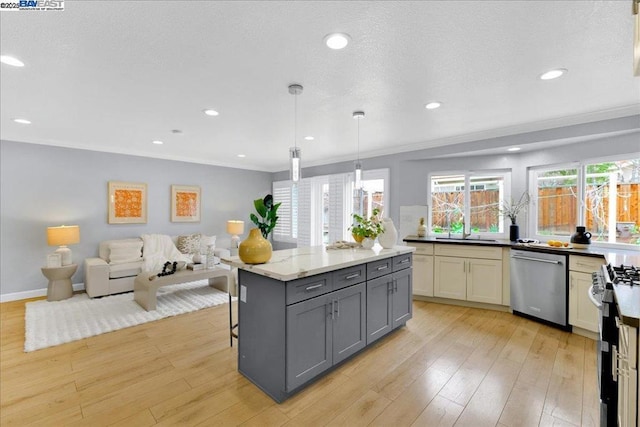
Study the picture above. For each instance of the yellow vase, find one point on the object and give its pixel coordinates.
(357, 238)
(255, 249)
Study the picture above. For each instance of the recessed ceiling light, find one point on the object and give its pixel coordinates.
(210, 112)
(157, 142)
(22, 121)
(241, 155)
(10, 60)
(553, 74)
(337, 40)
(309, 138)
(513, 149)
(432, 105)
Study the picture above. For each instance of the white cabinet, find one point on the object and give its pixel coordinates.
(422, 269)
(450, 277)
(474, 277)
(582, 313)
(484, 280)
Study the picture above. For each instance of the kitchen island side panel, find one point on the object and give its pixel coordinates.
(262, 332)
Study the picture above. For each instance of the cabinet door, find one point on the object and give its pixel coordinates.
(309, 340)
(484, 280)
(582, 312)
(423, 275)
(401, 298)
(349, 321)
(449, 277)
(379, 320)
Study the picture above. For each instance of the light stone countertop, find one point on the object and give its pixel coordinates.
(290, 264)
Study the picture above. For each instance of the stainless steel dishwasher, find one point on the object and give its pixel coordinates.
(539, 286)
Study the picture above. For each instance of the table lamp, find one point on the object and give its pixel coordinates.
(235, 228)
(63, 236)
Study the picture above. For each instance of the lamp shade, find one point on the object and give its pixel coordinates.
(235, 227)
(63, 235)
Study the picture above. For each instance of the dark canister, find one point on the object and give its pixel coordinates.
(581, 236)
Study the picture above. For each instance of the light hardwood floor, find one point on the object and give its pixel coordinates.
(449, 366)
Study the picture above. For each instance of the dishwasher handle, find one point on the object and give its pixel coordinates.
(548, 261)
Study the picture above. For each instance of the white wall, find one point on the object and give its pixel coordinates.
(43, 186)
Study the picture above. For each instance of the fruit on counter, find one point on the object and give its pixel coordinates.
(556, 243)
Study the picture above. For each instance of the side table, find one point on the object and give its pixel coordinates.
(59, 287)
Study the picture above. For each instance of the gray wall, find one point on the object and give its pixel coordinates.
(409, 171)
(42, 186)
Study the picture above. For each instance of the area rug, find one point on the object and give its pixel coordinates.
(50, 323)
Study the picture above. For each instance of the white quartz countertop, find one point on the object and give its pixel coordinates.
(290, 264)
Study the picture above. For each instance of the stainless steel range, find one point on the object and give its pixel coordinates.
(602, 295)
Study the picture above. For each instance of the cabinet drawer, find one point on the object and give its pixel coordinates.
(349, 276)
(422, 248)
(585, 264)
(379, 268)
(401, 262)
(468, 251)
(308, 287)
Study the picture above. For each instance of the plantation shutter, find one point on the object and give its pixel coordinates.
(339, 207)
(304, 212)
(282, 193)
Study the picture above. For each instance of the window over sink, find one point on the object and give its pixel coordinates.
(470, 200)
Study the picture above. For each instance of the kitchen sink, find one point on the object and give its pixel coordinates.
(469, 240)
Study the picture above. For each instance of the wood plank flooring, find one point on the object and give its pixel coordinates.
(449, 366)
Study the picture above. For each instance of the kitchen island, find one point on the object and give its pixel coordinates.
(309, 309)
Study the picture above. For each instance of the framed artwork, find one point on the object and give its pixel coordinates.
(127, 203)
(185, 203)
(54, 261)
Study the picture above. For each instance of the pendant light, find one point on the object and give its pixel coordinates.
(294, 152)
(358, 166)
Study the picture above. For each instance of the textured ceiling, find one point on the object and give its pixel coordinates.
(114, 76)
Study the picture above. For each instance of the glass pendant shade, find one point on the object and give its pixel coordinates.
(358, 175)
(294, 167)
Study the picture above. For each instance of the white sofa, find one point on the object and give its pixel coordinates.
(105, 277)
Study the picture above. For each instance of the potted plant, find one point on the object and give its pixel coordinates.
(256, 249)
(510, 209)
(368, 228)
(268, 215)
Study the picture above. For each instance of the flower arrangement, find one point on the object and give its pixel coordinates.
(511, 208)
(366, 227)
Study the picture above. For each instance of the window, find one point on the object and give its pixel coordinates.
(470, 200)
(601, 195)
(556, 191)
(318, 210)
(375, 190)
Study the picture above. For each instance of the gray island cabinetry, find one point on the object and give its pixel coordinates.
(309, 309)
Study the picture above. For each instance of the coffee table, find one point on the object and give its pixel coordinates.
(146, 285)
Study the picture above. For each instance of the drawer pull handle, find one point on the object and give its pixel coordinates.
(310, 288)
(382, 267)
(404, 261)
(352, 276)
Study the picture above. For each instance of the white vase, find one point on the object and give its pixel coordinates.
(389, 238)
(368, 243)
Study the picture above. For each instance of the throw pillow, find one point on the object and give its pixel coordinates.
(124, 252)
(189, 244)
(205, 241)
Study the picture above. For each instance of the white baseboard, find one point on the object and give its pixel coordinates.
(16, 296)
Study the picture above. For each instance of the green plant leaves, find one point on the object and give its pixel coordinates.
(268, 215)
